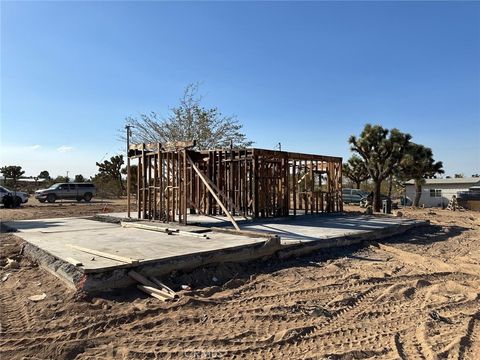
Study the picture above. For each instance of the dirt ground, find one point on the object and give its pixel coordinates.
(416, 296)
(33, 209)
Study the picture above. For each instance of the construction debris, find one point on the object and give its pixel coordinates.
(103, 254)
(153, 287)
(75, 262)
(36, 298)
(169, 231)
(11, 264)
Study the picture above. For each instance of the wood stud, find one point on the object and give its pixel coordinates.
(250, 182)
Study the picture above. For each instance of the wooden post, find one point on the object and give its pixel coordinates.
(294, 189)
(185, 187)
(139, 178)
(144, 182)
(128, 171)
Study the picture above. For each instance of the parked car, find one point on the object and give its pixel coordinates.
(67, 191)
(350, 196)
(11, 198)
(406, 201)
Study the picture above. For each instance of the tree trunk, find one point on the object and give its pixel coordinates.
(418, 193)
(376, 196)
(357, 183)
(390, 186)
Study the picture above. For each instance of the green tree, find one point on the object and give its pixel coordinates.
(61, 179)
(381, 150)
(12, 173)
(79, 178)
(44, 175)
(355, 170)
(133, 178)
(458, 176)
(418, 164)
(111, 170)
(190, 121)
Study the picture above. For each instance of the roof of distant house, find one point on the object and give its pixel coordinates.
(465, 180)
(30, 179)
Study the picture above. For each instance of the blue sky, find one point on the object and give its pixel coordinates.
(307, 75)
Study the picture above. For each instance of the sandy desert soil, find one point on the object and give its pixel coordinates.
(416, 296)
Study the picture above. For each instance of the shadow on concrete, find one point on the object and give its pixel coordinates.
(14, 226)
(321, 226)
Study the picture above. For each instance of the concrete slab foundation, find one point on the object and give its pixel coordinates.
(54, 243)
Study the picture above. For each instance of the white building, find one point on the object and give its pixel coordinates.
(438, 192)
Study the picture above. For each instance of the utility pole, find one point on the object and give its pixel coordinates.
(127, 127)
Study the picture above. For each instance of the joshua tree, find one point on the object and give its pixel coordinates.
(381, 150)
(355, 170)
(111, 169)
(418, 164)
(13, 173)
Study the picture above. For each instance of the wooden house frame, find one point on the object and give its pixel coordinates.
(174, 181)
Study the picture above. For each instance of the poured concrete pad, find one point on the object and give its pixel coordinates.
(302, 228)
(157, 253)
(55, 236)
(308, 228)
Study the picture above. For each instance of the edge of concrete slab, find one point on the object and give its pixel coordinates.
(76, 278)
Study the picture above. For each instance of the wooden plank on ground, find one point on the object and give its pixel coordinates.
(150, 291)
(163, 229)
(103, 254)
(163, 286)
(148, 284)
(140, 278)
(248, 233)
(74, 262)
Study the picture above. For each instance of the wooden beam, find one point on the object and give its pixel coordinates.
(149, 285)
(151, 291)
(177, 145)
(227, 199)
(103, 254)
(248, 233)
(208, 184)
(74, 261)
(162, 229)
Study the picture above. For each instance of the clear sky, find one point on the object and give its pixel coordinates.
(307, 75)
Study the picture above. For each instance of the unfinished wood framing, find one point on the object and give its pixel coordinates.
(174, 181)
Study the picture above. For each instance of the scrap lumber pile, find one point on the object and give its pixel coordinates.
(153, 287)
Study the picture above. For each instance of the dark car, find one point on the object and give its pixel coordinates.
(354, 196)
(9, 198)
(67, 191)
(406, 201)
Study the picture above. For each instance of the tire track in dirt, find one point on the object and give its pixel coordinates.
(351, 307)
(15, 315)
(470, 343)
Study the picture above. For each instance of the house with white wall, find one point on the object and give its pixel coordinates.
(438, 192)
